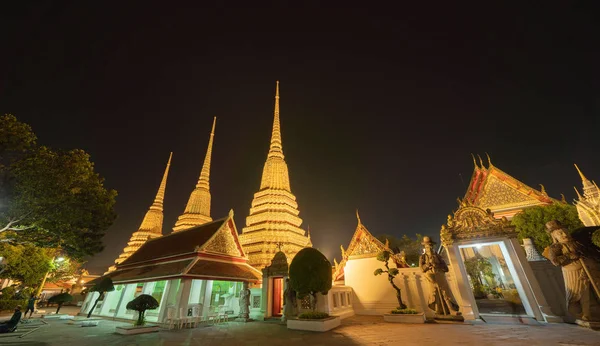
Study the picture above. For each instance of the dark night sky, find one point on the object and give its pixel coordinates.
(381, 107)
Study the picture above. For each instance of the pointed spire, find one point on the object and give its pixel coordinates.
(480, 161)
(276, 148)
(563, 199)
(586, 182)
(577, 191)
(204, 179)
(197, 210)
(160, 195)
(543, 190)
(358, 217)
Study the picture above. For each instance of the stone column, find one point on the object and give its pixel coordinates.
(465, 297)
(183, 296)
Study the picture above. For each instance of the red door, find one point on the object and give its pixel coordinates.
(277, 297)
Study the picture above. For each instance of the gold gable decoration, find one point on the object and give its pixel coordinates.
(471, 222)
(499, 194)
(223, 242)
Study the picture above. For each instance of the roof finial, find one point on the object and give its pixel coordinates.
(583, 178)
(563, 199)
(276, 148)
(204, 180)
(543, 190)
(358, 217)
(577, 191)
(480, 161)
(489, 160)
(474, 162)
(230, 212)
(160, 196)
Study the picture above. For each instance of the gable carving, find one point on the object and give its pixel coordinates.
(223, 243)
(500, 194)
(365, 246)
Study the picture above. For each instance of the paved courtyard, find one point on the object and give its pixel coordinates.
(359, 330)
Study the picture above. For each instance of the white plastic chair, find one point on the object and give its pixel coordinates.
(222, 315)
(183, 318)
(197, 317)
(171, 319)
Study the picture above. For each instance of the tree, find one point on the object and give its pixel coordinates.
(140, 304)
(310, 273)
(53, 199)
(531, 222)
(26, 263)
(104, 285)
(60, 299)
(384, 256)
(412, 247)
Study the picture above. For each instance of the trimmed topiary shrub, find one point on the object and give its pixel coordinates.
(313, 315)
(60, 299)
(384, 256)
(11, 304)
(102, 286)
(310, 273)
(140, 304)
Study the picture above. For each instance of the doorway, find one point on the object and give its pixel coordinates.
(277, 302)
(494, 282)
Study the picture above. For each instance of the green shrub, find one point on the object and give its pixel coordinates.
(10, 304)
(310, 273)
(140, 304)
(8, 293)
(313, 315)
(404, 311)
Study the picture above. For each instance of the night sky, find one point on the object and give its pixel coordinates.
(380, 107)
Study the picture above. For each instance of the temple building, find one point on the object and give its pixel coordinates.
(151, 226)
(197, 272)
(588, 205)
(491, 188)
(197, 210)
(273, 221)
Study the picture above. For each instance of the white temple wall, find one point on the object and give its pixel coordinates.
(373, 295)
(552, 285)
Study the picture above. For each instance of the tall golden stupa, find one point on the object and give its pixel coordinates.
(197, 210)
(273, 223)
(151, 226)
(588, 205)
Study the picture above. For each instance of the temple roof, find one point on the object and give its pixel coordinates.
(177, 243)
(491, 188)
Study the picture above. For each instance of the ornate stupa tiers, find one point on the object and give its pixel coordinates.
(588, 205)
(151, 226)
(273, 219)
(197, 210)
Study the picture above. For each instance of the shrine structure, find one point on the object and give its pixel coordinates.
(274, 216)
(588, 204)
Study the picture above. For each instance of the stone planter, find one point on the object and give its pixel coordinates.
(314, 325)
(130, 330)
(405, 318)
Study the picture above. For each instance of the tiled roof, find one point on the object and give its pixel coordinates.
(224, 270)
(147, 273)
(175, 243)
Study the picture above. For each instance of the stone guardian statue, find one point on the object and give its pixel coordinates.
(289, 302)
(580, 270)
(244, 315)
(434, 270)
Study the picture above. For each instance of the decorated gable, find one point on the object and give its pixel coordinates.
(224, 241)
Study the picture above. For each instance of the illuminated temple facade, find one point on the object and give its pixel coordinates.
(274, 221)
(151, 226)
(491, 188)
(197, 210)
(588, 204)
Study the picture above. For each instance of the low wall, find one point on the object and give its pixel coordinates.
(552, 285)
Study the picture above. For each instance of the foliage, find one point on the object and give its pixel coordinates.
(313, 315)
(384, 256)
(476, 266)
(411, 247)
(60, 299)
(8, 293)
(310, 273)
(24, 293)
(531, 222)
(53, 199)
(104, 285)
(26, 263)
(64, 270)
(405, 311)
(596, 238)
(11, 304)
(142, 303)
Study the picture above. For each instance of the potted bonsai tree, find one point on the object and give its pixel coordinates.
(60, 299)
(310, 274)
(402, 313)
(140, 304)
(102, 286)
